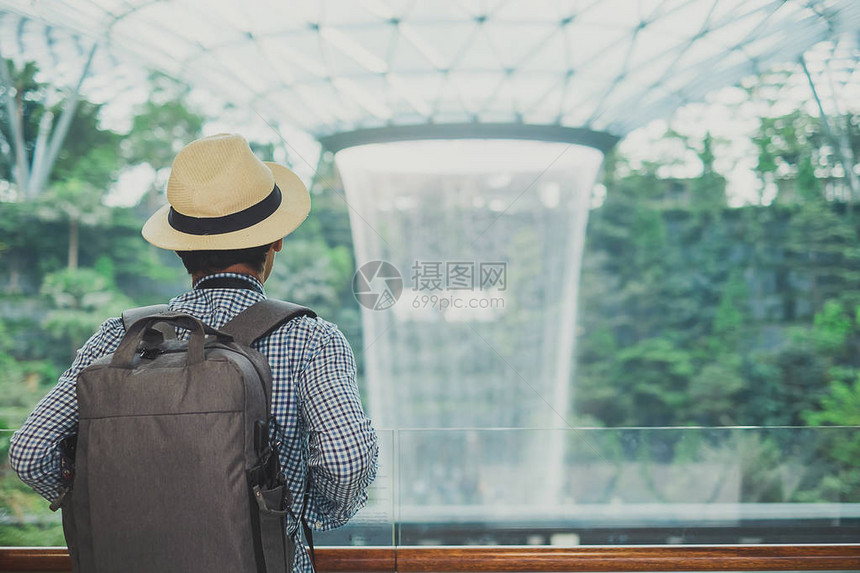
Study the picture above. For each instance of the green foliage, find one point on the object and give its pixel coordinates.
(761, 480)
(78, 203)
(22, 384)
(715, 392)
(694, 313)
(25, 241)
(80, 300)
(90, 154)
(697, 313)
(656, 384)
(160, 128)
(311, 272)
(34, 523)
(786, 141)
(162, 125)
(839, 449)
(28, 94)
(731, 316)
(831, 328)
(839, 407)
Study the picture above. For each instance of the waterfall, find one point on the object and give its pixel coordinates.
(487, 236)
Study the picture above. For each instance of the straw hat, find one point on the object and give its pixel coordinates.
(222, 197)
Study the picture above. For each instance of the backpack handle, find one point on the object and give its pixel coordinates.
(124, 355)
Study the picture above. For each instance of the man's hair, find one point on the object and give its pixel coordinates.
(209, 262)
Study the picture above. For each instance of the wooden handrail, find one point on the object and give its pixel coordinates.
(637, 558)
(483, 559)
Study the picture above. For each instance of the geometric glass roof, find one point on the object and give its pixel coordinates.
(333, 66)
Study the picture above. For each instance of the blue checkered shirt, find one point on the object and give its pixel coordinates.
(314, 399)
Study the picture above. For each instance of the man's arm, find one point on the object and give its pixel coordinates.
(342, 443)
(33, 450)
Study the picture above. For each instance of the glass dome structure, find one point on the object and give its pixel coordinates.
(334, 66)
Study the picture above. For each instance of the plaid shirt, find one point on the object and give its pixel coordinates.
(314, 400)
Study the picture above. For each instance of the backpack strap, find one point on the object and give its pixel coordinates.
(253, 323)
(165, 331)
(306, 529)
(132, 315)
(262, 318)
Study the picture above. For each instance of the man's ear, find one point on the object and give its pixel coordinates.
(278, 245)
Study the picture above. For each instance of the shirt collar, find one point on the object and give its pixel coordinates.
(253, 284)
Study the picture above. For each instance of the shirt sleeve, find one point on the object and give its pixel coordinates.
(342, 444)
(34, 449)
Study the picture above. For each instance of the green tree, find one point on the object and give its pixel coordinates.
(33, 130)
(831, 328)
(161, 127)
(754, 302)
(20, 117)
(23, 381)
(653, 390)
(840, 406)
(24, 237)
(731, 317)
(78, 203)
(80, 299)
(312, 273)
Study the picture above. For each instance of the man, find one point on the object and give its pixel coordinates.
(227, 215)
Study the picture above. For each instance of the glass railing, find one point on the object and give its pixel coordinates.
(576, 487)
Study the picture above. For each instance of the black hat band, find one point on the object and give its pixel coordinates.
(228, 223)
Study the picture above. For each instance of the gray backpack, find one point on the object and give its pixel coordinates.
(173, 469)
